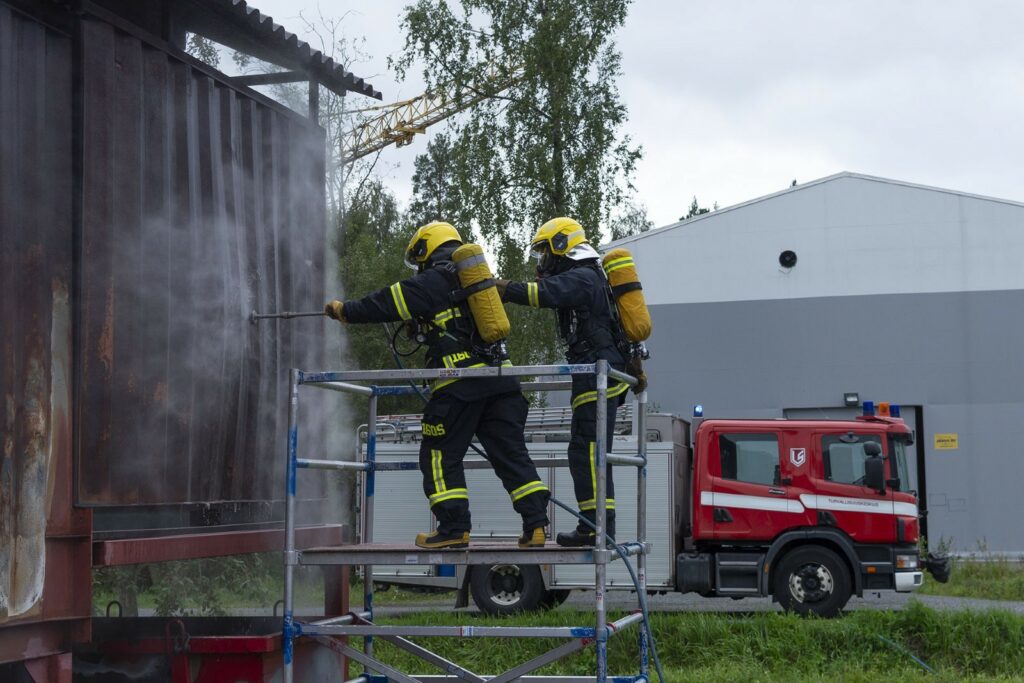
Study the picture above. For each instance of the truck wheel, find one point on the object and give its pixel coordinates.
(553, 598)
(501, 589)
(812, 580)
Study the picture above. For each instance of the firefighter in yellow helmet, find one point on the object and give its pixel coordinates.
(570, 280)
(492, 408)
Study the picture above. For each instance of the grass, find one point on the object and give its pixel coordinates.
(997, 579)
(761, 647)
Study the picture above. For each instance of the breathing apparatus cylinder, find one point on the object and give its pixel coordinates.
(484, 302)
(628, 293)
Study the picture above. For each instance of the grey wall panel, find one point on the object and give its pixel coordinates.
(958, 355)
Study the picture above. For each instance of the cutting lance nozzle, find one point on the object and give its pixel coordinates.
(255, 317)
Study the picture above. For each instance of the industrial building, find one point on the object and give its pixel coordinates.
(852, 288)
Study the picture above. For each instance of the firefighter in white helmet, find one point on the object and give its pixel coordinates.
(570, 280)
(492, 408)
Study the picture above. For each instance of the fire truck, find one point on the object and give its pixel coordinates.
(809, 512)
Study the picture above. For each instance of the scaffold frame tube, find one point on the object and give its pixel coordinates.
(360, 624)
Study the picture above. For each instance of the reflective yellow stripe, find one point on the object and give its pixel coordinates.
(588, 396)
(451, 494)
(399, 298)
(533, 294)
(624, 262)
(587, 505)
(443, 317)
(435, 461)
(593, 469)
(527, 489)
(585, 397)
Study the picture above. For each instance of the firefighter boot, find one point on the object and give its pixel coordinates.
(534, 538)
(581, 538)
(436, 539)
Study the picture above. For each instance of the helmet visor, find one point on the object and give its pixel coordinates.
(543, 257)
(414, 256)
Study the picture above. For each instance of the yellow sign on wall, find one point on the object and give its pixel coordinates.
(947, 442)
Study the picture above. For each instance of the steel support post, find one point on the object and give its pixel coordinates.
(368, 497)
(641, 516)
(601, 520)
(288, 642)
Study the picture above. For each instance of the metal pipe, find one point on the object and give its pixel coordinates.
(371, 480)
(622, 376)
(331, 464)
(342, 620)
(255, 317)
(287, 640)
(601, 520)
(641, 516)
(632, 460)
(435, 373)
(344, 387)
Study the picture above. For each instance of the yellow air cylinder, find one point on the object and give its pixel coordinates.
(629, 295)
(484, 302)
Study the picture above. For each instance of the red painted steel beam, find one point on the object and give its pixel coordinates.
(113, 553)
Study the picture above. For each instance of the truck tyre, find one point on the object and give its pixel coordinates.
(501, 589)
(554, 597)
(812, 580)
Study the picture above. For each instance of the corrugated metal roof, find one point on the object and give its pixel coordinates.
(213, 17)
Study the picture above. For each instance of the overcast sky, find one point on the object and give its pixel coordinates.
(734, 99)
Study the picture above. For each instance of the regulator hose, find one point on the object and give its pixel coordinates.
(640, 594)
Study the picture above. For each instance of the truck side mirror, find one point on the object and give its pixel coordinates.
(874, 473)
(872, 449)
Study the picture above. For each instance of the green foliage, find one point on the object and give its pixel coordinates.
(549, 145)
(203, 49)
(696, 209)
(997, 579)
(204, 587)
(766, 646)
(435, 188)
(374, 235)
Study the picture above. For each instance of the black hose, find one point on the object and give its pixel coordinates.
(640, 594)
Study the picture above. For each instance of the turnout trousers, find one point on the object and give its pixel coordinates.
(449, 424)
(582, 442)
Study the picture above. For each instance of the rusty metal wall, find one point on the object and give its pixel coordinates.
(200, 203)
(44, 541)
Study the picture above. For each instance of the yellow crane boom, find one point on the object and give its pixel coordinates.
(397, 123)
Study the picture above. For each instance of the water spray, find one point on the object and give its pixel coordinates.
(255, 317)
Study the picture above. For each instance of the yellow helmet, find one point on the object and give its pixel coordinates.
(558, 236)
(426, 240)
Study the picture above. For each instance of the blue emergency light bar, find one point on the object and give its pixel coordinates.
(698, 410)
(885, 409)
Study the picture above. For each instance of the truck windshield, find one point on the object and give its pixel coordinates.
(898, 450)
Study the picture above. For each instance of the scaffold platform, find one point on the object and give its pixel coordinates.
(332, 633)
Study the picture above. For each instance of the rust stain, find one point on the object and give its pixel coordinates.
(106, 349)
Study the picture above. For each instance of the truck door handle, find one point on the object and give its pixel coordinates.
(722, 515)
(777, 492)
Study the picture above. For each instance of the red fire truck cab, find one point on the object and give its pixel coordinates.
(809, 512)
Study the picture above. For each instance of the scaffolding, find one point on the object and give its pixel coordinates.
(330, 632)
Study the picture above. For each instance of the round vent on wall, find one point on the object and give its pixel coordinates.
(787, 259)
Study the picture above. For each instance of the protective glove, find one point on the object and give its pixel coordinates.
(635, 367)
(336, 310)
(501, 286)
